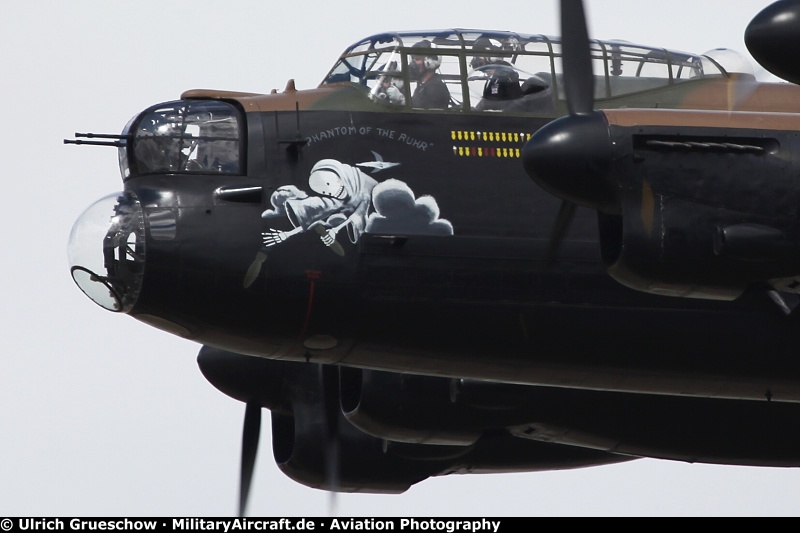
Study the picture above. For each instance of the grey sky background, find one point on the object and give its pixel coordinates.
(103, 416)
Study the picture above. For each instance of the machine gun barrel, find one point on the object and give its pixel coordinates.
(119, 140)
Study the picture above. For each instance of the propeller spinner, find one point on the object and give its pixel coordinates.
(773, 38)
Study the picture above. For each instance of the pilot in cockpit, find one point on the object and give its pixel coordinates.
(431, 91)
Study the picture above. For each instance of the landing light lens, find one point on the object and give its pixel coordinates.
(107, 251)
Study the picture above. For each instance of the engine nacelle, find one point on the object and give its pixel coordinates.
(247, 378)
(314, 444)
(302, 398)
(358, 465)
(406, 408)
(702, 216)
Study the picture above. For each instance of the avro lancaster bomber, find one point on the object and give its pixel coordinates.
(477, 251)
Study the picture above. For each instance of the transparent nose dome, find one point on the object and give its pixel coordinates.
(107, 251)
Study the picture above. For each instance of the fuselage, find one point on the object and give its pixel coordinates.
(427, 251)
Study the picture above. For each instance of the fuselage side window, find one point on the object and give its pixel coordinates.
(599, 55)
(509, 80)
(434, 66)
(385, 79)
(187, 137)
(635, 69)
(450, 71)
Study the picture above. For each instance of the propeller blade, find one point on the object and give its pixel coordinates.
(329, 378)
(333, 475)
(250, 436)
(577, 58)
(570, 157)
(563, 222)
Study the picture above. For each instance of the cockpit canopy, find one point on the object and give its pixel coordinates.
(464, 61)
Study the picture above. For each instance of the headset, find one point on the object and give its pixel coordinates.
(432, 62)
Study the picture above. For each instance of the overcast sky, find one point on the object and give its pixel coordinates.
(101, 415)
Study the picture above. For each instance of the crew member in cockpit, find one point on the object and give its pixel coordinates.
(484, 47)
(389, 88)
(431, 91)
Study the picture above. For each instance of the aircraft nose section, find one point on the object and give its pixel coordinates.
(106, 251)
(571, 157)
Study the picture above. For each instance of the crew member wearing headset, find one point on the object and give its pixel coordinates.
(431, 91)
